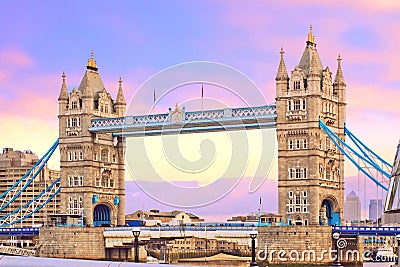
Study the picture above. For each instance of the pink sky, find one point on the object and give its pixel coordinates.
(135, 40)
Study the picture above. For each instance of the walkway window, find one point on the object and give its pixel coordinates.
(289, 104)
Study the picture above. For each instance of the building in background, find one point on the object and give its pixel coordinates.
(375, 209)
(352, 208)
(155, 216)
(264, 218)
(13, 166)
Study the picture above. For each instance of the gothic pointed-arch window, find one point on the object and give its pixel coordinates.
(106, 109)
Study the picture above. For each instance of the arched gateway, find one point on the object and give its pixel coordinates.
(102, 215)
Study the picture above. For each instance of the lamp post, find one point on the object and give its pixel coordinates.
(253, 249)
(335, 239)
(398, 249)
(136, 233)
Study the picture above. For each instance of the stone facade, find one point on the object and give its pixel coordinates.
(72, 242)
(311, 169)
(92, 165)
(301, 239)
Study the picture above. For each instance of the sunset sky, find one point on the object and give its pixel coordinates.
(134, 40)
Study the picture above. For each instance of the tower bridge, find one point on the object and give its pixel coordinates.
(309, 117)
(310, 175)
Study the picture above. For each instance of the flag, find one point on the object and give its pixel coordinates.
(202, 91)
(154, 96)
(260, 200)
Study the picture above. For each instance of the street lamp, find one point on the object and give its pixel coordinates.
(335, 238)
(136, 233)
(398, 249)
(253, 237)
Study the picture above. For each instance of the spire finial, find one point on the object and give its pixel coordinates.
(339, 79)
(63, 77)
(282, 72)
(311, 36)
(120, 95)
(92, 63)
(64, 90)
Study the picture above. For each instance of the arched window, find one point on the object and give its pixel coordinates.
(104, 155)
(296, 85)
(74, 105)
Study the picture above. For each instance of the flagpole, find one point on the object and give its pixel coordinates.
(154, 99)
(202, 101)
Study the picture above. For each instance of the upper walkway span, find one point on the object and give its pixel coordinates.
(180, 121)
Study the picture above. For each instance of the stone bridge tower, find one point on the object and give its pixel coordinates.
(92, 165)
(311, 169)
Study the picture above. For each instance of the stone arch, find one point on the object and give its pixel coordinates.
(104, 214)
(297, 220)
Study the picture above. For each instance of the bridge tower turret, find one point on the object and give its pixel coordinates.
(92, 165)
(311, 169)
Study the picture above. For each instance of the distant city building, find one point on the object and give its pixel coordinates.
(352, 207)
(155, 216)
(13, 165)
(265, 218)
(375, 209)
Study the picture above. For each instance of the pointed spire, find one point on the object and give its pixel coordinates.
(282, 72)
(87, 91)
(92, 65)
(120, 95)
(339, 79)
(314, 70)
(311, 38)
(64, 90)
